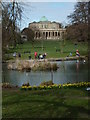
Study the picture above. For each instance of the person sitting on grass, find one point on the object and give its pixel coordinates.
(44, 55)
(70, 54)
(41, 56)
(19, 55)
(29, 57)
(14, 54)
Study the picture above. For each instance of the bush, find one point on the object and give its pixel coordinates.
(54, 67)
(48, 83)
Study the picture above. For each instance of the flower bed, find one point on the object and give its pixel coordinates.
(55, 86)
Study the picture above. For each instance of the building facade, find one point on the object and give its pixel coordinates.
(45, 29)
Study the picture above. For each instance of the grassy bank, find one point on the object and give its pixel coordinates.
(52, 48)
(58, 103)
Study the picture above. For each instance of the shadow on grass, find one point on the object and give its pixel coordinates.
(44, 104)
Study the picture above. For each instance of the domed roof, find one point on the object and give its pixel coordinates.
(43, 19)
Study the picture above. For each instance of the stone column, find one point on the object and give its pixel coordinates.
(39, 35)
(36, 35)
(57, 34)
(54, 35)
(60, 34)
(50, 34)
(45, 35)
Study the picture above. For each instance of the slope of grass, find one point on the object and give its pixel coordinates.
(50, 48)
(58, 103)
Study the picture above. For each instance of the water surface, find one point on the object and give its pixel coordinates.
(69, 71)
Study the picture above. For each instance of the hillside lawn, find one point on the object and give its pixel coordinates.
(50, 47)
(68, 103)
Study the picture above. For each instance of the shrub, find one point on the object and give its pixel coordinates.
(46, 83)
(29, 87)
(54, 67)
(34, 87)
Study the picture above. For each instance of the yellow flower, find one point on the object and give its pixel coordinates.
(29, 86)
(34, 86)
(25, 86)
(22, 86)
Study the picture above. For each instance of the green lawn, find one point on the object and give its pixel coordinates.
(50, 48)
(54, 103)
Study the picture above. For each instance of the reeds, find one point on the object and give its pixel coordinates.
(32, 65)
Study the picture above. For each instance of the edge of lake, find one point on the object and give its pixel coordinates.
(52, 59)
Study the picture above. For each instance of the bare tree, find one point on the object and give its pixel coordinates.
(78, 28)
(11, 16)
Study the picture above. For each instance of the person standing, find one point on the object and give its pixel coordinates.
(35, 55)
(77, 53)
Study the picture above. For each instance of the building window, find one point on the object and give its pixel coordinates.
(46, 26)
(54, 27)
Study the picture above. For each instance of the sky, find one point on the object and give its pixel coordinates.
(54, 11)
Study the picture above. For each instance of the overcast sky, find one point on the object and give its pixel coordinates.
(54, 11)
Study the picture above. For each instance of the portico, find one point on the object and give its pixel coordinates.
(45, 29)
(48, 34)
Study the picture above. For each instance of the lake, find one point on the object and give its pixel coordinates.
(68, 71)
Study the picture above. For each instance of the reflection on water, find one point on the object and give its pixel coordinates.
(69, 71)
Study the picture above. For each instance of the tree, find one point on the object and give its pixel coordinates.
(78, 28)
(11, 16)
(29, 33)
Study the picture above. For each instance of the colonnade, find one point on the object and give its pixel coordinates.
(48, 34)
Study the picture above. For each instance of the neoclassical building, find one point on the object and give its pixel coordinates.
(45, 29)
